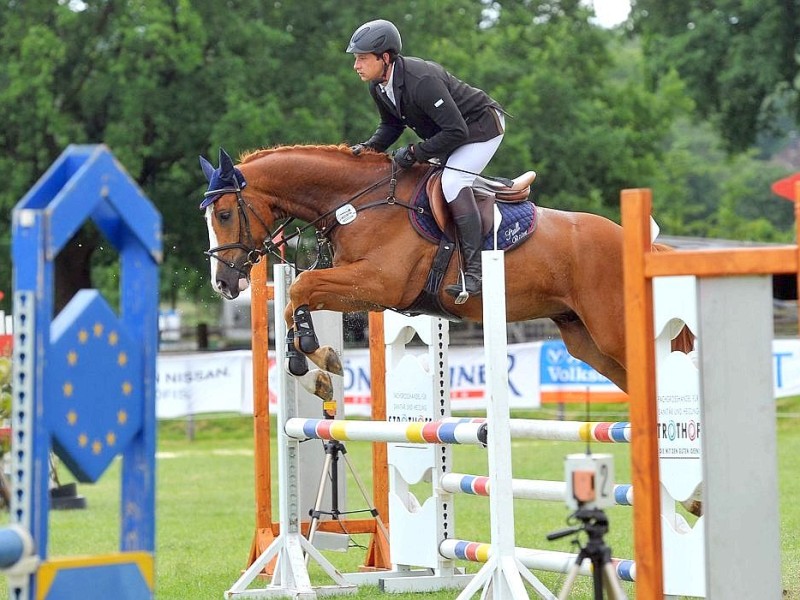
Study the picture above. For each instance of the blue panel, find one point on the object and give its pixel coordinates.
(49, 184)
(90, 386)
(107, 582)
(94, 385)
(103, 190)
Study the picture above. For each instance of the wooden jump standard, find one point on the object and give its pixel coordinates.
(266, 528)
(754, 536)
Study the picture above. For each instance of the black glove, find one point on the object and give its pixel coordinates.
(404, 157)
(359, 148)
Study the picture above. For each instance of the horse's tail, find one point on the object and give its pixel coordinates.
(662, 248)
(684, 341)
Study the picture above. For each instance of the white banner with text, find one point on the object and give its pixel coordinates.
(538, 372)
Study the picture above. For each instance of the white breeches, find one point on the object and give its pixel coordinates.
(469, 157)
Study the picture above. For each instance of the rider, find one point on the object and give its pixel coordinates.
(459, 124)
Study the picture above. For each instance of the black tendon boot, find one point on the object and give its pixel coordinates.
(468, 228)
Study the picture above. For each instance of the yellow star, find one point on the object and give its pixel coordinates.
(122, 417)
(72, 358)
(83, 440)
(98, 329)
(72, 417)
(97, 447)
(111, 438)
(127, 388)
(83, 335)
(113, 338)
(122, 359)
(68, 389)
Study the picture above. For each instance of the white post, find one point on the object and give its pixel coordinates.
(290, 578)
(503, 571)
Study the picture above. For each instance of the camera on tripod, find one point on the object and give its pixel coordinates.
(590, 489)
(590, 480)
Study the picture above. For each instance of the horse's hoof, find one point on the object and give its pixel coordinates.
(331, 362)
(319, 383)
(694, 507)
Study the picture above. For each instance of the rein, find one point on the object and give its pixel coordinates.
(269, 246)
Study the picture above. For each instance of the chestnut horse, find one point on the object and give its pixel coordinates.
(568, 270)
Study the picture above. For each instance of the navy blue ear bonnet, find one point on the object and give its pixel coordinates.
(222, 180)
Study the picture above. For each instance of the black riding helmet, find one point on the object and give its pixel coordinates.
(375, 37)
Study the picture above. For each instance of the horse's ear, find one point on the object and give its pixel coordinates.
(208, 168)
(225, 162)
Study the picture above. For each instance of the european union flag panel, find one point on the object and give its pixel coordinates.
(94, 385)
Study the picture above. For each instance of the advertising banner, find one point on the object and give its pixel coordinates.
(538, 373)
(567, 379)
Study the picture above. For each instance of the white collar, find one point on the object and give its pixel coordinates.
(387, 87)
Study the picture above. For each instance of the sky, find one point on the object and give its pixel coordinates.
(611, 12)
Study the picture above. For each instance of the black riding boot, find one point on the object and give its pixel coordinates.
(470, 237)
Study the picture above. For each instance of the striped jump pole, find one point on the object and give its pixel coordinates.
(527, 489)
(564, 431)
(17, 557)
(541, 560)
(432, 432)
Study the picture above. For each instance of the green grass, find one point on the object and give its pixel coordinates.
(205, 507)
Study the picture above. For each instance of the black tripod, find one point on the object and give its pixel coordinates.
(330, 471)
(595, 523)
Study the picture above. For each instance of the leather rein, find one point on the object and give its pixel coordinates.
(254, 253)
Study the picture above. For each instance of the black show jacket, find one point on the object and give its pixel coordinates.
(441, 109)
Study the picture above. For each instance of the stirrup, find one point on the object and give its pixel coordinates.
(463, 295)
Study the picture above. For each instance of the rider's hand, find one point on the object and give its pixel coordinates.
(359, 148)
(404, 157)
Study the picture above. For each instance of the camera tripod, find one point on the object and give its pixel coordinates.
(595, 523)
(330, 471)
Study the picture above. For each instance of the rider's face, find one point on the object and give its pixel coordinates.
(368, 66)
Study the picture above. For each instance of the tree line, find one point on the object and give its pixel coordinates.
(693, 98)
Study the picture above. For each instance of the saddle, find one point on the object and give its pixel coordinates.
(430, 218)
(486, 193)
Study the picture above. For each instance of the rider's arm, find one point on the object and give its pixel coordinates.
(389, 129)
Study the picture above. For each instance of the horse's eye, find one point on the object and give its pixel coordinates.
(224, 216)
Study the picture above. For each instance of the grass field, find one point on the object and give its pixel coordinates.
(205, 507)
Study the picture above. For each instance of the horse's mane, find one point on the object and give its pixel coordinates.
(341, 148)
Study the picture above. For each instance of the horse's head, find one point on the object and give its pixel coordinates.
(233, 249)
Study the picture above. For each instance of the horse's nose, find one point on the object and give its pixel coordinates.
(226, 290)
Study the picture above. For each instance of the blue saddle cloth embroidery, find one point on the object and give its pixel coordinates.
(518, 222)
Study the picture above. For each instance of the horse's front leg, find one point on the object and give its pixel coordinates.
(307, 342)
(341, 289)
(315, 381)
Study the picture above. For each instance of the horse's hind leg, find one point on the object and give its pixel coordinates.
(582, 346)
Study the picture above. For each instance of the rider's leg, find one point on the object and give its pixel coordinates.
(457, 188)
(468, 229)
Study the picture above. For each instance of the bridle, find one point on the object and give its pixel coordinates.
(254, 253)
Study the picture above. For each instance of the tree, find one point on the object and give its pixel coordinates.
(161, 81)
(737, 58)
